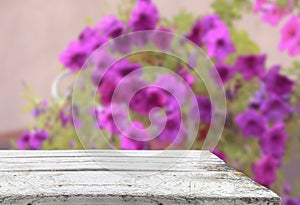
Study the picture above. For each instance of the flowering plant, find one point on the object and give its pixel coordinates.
(260, 121)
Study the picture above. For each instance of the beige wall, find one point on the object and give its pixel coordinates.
(33, 32)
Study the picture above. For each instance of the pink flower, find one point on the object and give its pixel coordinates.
(258, 5)
(135, 137)
(290, 36)
(271, 12)
(109, 116)
(295, 50)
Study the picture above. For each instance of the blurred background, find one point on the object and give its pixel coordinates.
(34, 32)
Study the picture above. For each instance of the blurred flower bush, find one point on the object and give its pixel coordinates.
(262, 103)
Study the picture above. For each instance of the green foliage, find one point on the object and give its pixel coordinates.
(243, 44)
(282, 3)
(125, 8)
(183, 21)
(231, 10)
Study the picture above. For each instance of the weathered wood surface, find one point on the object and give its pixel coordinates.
(124, 177)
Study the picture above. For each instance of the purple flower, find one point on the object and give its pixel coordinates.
(202, 27)
(196, 34)
(127, 88)
(72, 144)
(78, 51)
(290, 36)
(251, 66)
(148, 98)
(86, 34)
(90, 39)
(259, 98)
(212, 32)
(135, 137)
(39, 109)
(106, 68)
(275, 109)
(74, 56)
(290, 201)
(277, 83)
(265, 171)
(107, 87)
(144, 16)
(173, 87)
(111, 26)
(174, 130)
(220, 154)
(204, 107)
(163, 38)
(287, 188)
(32, 140)
(102, 60)
(274, 140)
(97, 76)
(225, 72)
(186, 75)
(65, 119)
(109, 116)
(109, 81)
(251, 123)
(212, 23)
(124, 67)
(219, 44)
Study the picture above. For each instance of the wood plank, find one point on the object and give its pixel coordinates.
(195, 187)
(200, 162)
(108, 153)
(124, 177)
(112, 166)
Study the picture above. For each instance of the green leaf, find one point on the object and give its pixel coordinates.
(230, 10)
(183, 21)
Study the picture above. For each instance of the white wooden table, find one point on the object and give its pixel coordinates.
(124, 177)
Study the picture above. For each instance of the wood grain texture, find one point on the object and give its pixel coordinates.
(124, 177)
